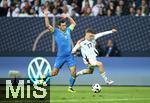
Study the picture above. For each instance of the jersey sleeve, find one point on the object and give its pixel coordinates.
(71, 27)
(102, 34)
(55, 32)
(52, 30)
(76, 47)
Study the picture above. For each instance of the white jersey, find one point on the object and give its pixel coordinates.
(88, 49)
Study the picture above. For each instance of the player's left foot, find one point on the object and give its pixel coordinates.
(70, 89)
(109, 82)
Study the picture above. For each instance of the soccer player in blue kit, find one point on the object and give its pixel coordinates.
(62, 36)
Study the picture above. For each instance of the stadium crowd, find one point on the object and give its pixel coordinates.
(35, 8)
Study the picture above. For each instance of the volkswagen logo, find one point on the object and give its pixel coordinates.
(37, 67)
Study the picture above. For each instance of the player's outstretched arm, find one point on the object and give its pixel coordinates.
(77, 46)
(72, 22)
(98, 35)
(50, 28)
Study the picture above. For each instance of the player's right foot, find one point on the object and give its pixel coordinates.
(70, 89)
(109, 82)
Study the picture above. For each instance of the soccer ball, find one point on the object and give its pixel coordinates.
(96, 88)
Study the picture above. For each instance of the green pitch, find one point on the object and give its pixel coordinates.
(113, 94)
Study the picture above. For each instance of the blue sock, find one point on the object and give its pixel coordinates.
(72, 81)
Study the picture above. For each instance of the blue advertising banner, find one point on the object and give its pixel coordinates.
(124, 71)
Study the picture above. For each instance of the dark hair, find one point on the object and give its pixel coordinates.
(139, 8)
(61, 21)
(89, 30)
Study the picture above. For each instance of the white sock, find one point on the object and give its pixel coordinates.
(81, 72)
(104, 76)
(70, 87)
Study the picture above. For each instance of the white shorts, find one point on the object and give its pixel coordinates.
(92, 61)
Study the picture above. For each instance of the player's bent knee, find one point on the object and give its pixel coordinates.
(90, 72)
(73, 73)
(54, 73)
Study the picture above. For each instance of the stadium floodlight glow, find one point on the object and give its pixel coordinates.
(37, 67)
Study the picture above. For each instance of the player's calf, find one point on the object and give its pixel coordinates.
(100, 67)
(72, 78)
(84, 71)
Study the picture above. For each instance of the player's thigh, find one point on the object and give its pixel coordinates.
(71, 62)
(99, 64)
(92, 61)
(59, 62)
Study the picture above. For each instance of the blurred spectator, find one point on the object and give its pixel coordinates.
(23, 13)
(89, 2)
(109, 12)
(32, 13)
(69, 7)
(41, 11)
(66, 11)
(30, 8)
(87, 12)
(111, 49)
(144, 7)
(4, 6)
(5, 2)
(118, 11)
(74, 13)
(101, 12)
(99, 5)
(132, 11)
(111, 7)
(121, 8)
(139, 12)
(76, 4)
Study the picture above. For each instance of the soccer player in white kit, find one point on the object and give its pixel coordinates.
(89, 53)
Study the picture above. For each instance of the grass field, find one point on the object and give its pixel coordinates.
(112, 94)
(59, 94)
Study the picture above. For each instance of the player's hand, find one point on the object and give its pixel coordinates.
(73, 52)
(114, 30)
(63, 16)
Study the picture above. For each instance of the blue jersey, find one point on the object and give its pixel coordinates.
(63, 40)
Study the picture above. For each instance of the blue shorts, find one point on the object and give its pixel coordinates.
(61, 60)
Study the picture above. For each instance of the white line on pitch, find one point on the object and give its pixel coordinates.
(101, 100)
